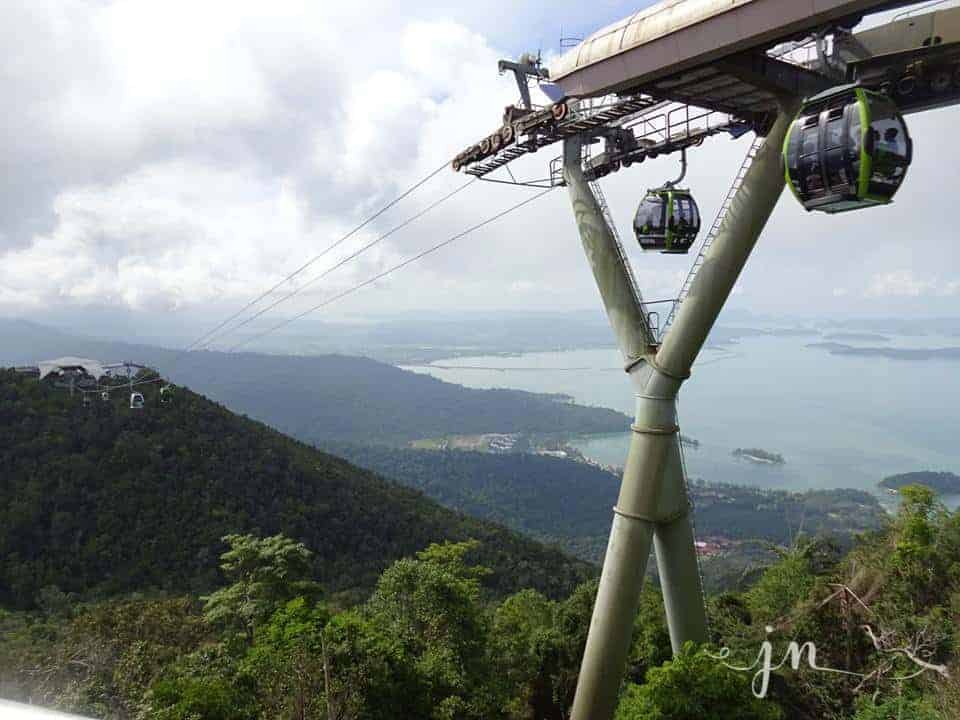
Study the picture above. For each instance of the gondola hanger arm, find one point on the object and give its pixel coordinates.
(683, 170)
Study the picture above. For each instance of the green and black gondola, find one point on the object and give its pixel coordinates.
(667, 220)
(848, 148)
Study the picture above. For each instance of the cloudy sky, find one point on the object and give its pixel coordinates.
(173, 160)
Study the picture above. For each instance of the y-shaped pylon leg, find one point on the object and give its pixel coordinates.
(652, 504)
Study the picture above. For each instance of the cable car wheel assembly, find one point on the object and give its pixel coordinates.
(517, 122)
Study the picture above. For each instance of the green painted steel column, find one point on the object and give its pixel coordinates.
(652, 503)
(607, 263)
(749, 210)
(654, 432)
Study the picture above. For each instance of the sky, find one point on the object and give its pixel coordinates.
(168, 162)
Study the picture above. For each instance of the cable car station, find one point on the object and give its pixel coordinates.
(825, 101)
(96, 380)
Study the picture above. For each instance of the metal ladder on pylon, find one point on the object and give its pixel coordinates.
(714, 229)
(652, 332)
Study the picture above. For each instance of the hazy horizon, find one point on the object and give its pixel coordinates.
(166, 192)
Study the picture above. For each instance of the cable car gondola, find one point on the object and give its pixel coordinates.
(136, 401)
(847, 149)
(668, 219)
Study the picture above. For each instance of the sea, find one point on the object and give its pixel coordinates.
(839, 421)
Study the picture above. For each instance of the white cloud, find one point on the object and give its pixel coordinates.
(163, 236)
(181, 155)
(206, 158)
(899, 283)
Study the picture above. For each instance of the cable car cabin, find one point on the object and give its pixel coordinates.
(667, 220)
(848, 148)
(166, 394)
(136, 401)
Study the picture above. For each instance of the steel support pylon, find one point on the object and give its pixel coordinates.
(653, 507)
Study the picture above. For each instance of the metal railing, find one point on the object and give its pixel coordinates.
(653, 317)
(662, 133)
(652, 334)
(679, 123)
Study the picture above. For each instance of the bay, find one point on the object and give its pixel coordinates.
(838, 420)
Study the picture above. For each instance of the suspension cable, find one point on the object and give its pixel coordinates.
(323, 252)
(393, 269)
(380, 275)
(339, 264)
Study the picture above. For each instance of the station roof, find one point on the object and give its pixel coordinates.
(710, 53)
(93, 368)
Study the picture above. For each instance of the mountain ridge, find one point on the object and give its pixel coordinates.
(106, 499)
(331, 398)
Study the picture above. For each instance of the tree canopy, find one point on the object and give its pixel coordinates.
(102, 499)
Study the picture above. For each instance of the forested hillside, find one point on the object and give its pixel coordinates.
(108, 499)
(570, 502)
(428, 644)
(324, 398)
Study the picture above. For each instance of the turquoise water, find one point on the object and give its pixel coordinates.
(839, 421)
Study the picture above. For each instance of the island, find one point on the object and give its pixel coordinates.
(941, 353)
(759, 456)
(842, 337)
(944, 483)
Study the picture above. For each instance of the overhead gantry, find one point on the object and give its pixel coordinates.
(663, 81)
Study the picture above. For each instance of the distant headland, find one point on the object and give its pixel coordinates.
(944, 483)
(893, 353)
